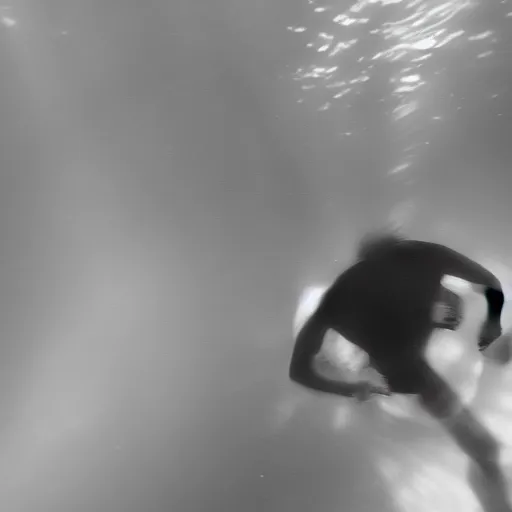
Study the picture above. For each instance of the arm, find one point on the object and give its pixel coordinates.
(457, 265)
(308, 344)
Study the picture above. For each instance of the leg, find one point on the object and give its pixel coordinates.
(485, 475)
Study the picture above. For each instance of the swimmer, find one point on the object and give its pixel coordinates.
(385, 304)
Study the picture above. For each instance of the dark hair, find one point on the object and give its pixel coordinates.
(375, 243)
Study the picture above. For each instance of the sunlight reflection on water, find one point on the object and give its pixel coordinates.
(399, 42)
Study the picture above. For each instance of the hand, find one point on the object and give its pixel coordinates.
(447, 311)
(490, 332)
(366, 389)
(445, 316)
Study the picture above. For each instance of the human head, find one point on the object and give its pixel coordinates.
(375, 243)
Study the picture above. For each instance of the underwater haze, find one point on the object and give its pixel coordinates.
(174, 177)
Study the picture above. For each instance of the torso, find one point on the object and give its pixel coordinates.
(384, 304)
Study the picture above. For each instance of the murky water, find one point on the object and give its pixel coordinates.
(174, 175)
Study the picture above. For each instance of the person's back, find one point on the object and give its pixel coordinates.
(384, 304)
(388, 296)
